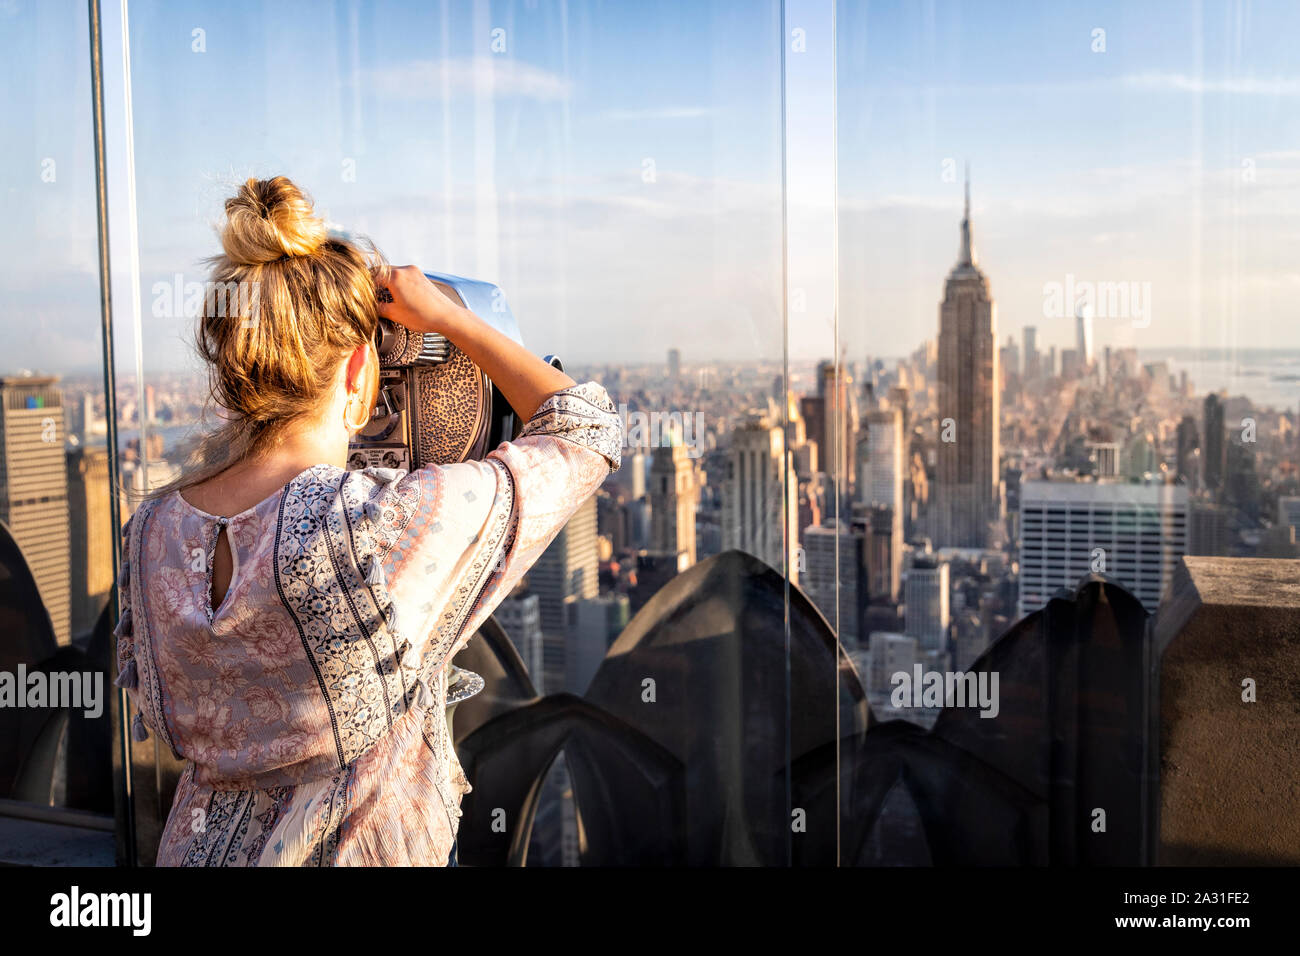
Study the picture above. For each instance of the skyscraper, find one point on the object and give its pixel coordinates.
(89, 424)
(1134, 532)
(967, 495)
(1215, 446)
(1140, 457)
(1031, 360)
(1009, 363)
(90, 534)
(520, 616)
(1189, 442)
(754, 499)
(840, 410)
(674, 364)
(1083, 337)
(806, 459)
(884, 553)
(597, 623)
(880, 487)
(812, 411)
(837, 553)
(926, 596)
(631, 476)
(900, 397)
(881, 480)
(890, 654)
(1208, 531)
(566, 572)
(1106, 458)
(34, 487)
(673, 498)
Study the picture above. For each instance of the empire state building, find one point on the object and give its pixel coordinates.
(967, 494)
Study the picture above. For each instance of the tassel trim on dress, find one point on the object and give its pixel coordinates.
(128, 677)
(408, 655)
(139, 733)
(385, 476)
(123, 624)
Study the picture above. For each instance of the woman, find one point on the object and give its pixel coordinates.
(287, 624)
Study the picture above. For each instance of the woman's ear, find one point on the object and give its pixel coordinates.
(356, 368)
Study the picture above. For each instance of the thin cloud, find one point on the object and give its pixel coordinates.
(660, 113)
(1152, 81)
(1239, 85)
(892, 202)
(488, 76)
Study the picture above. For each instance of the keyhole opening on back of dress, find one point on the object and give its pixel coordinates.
(222, 568)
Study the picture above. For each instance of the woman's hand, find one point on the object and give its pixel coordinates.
(410, 299)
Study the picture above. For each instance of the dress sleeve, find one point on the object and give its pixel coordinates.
(461, 536)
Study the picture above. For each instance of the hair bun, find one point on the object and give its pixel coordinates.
(269, 219)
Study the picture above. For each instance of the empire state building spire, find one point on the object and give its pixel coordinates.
(967, 257)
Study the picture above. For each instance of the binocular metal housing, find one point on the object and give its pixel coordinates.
(435, 406)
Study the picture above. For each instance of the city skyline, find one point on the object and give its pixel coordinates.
(925, 490)
(892, 455)
(844, 482)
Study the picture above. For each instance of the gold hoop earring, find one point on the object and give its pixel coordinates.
(347, 416)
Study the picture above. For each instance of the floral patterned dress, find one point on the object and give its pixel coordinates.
(310, 705)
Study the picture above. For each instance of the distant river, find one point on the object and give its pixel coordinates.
(1267, 378)
(172, 435)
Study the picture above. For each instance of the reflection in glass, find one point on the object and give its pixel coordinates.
(1067, 284)
(55, 518)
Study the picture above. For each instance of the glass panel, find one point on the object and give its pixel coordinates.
(824, 400)
(56, 532)
(616, 172)
(1067, 268)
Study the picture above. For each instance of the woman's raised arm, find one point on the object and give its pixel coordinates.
(410, 299)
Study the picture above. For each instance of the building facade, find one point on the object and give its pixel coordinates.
(758, 517)
(34, 488)
(1135, 533)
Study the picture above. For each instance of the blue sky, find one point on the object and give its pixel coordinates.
(1169, 158)
(616, 167)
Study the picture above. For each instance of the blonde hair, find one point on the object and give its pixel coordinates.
(273, 359)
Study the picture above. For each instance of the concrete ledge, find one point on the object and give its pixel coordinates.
(25, 842)
(1230, 770)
